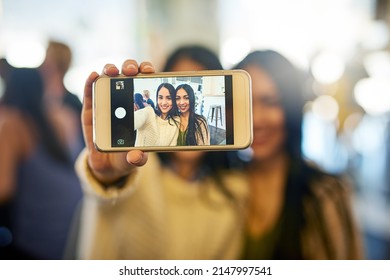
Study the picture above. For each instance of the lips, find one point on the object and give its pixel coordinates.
(261, 137)
(183, 108)
(165, 108)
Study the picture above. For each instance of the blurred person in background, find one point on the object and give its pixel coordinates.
(146, 96)
(180, 205)
(139, 102)
(63, 106)
(39, 189)
(295, 210)
(5, 69)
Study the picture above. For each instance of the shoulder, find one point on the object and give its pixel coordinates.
(15, 129)
(330, 189)
(11, 119)
(237, 182)
(73, 101)
(202, 121)
(147, 111)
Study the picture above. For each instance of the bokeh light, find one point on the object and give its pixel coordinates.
(373, 94)
(328, 67)
(325, 107)
(25, 53)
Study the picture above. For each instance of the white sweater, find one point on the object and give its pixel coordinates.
(154, 131)
(157, 215)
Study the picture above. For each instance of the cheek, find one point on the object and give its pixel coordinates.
(269, 134)
(277, 118)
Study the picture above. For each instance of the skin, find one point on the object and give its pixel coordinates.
(164, 102)
(109, 167)
(183, 101)
(267, 174)
(268, 117)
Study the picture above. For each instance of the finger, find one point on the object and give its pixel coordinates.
(110, 70)
(130, 67)
(137, 157)
(86, 113)
(146, 67)
(88, 88)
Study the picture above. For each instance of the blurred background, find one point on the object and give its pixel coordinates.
(342, 46)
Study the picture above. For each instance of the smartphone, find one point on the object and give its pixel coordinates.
(194, 110)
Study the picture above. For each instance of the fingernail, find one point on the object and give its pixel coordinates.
(137, 160)
(148, 68)
(131, 66)
(110, 69)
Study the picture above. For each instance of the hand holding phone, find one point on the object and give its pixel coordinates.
(109, 167)
(194, 110)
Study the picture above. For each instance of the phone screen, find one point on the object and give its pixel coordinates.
(171, 111)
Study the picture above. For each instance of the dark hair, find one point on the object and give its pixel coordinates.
(5, 69)
(195, 121)
(289, 81)
(196, 53)
(24, 91)
(212, 162)
(173, 112)
(139, 100)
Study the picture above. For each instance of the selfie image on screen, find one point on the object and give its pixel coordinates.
(172, 111)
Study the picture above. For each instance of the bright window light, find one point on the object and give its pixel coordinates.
(25, 54)
(325, 107)
(327, 68)
(373, 95)
(377, 64)
(376, 35)
(234, 50)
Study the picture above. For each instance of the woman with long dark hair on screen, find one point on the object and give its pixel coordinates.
(158, 127)
(193, 127)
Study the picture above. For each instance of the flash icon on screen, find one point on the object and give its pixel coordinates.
(120, 142)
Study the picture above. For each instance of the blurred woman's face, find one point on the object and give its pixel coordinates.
(164, 101)
(182, 101)
(268, 116)
(186, 64)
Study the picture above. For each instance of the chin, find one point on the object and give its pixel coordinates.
(261, 153)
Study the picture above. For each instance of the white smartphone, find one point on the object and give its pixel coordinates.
(172, 111)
